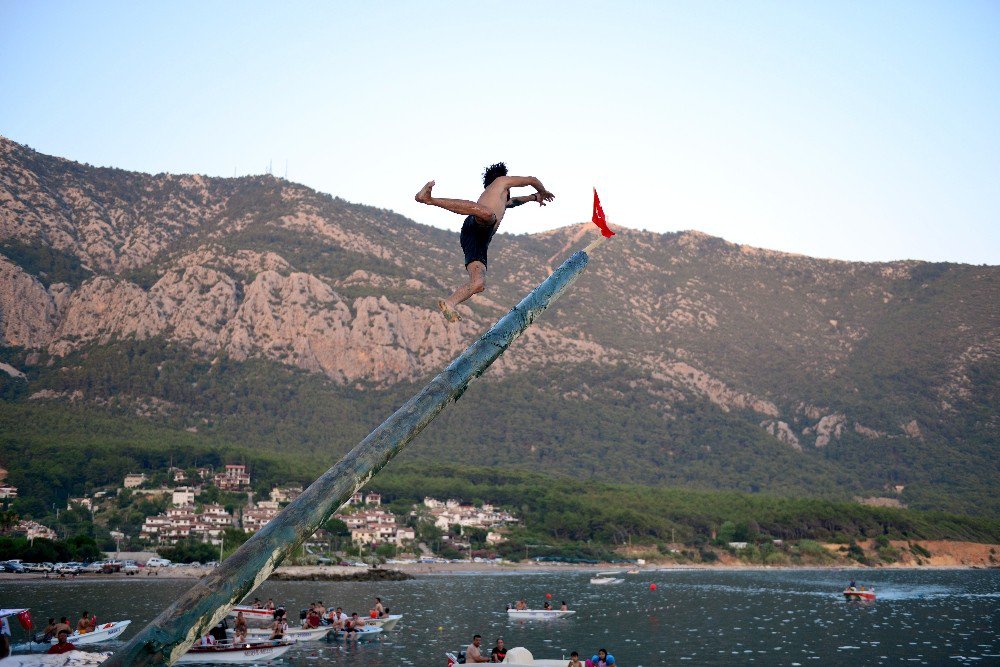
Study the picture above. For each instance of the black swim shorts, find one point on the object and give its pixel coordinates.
(476, 237)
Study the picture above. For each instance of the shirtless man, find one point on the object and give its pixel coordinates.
(483, 219)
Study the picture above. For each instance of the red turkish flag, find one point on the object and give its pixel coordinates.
(599, 218)
(24, 618)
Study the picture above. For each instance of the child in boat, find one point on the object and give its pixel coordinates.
(574, 660)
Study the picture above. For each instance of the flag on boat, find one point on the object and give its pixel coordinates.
(599, 219)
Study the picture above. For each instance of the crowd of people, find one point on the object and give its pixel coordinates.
(315, 616)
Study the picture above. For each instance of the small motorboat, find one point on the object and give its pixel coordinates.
(362, 634)
(292, 634)
(537, 614)
(387, 622)
(234, 654)
(605, 578)
(851, 593)
(103, 633)
(518, 656)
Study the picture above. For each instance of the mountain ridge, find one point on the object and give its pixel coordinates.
(824, 358)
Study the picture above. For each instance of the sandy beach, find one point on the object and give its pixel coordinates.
(945, 555)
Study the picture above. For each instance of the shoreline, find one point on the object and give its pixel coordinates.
(334, 573)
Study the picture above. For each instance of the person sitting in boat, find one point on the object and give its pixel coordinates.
(312, 620)
(270, 604)
(851, 585)
(62, 624)
(320, 609)
(337, 619)
(563, 606)
(93, 621)
(49, 632)
(257, 604)
(521, 604)
(240, 628)
(207, 640)
(574, 660)
(62, 644)
(472, 653)
(279, 627)
(602, 659)
(219, 632)
(547, 606)
(83, 625)
(379, 609)
(353, 625)
(499, 651)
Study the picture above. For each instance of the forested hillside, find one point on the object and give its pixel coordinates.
(255, 315)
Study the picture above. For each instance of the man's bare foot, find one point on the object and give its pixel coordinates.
(449, 314)
(424, 196)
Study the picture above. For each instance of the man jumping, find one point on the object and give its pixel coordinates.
(481, 224)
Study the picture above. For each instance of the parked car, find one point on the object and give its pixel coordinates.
(130, 567)
(39, 567)
(157, 562)
(14, 566)
(97, 566)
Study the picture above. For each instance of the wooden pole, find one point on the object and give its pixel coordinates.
(176, 629)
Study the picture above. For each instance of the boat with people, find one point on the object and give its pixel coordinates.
(387, 622)
(605, 578)
(235, 654)
(363, 633)
(102, 633)
(518, 656)
(291, 634)
(537, 614)
(851, 593)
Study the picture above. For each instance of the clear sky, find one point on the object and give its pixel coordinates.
(851, 130)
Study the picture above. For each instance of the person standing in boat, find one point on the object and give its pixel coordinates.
(379, 609)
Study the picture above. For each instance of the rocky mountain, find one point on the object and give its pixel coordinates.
(676, 359)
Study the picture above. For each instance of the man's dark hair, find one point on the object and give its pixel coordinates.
(475, 637)
(493, 172)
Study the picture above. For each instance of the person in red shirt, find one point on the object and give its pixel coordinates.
(61, 645)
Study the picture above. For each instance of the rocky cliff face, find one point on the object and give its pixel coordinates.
(262, 268)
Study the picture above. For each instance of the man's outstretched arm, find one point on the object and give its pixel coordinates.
(517, 201)
(526, 181)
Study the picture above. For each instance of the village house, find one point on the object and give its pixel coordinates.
(256, 518)
(8, 492)
(234, 478)
(135, 479)
(34, 530)
(286, 494)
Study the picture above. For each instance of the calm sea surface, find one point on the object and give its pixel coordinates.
(704, 617)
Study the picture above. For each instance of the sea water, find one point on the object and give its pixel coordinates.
(693, 617)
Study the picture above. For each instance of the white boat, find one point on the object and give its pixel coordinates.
(366, 632)
(254, 616)
(387, 622)
(535, 614)
(103, 633)
(605, 578)
(292, 634)
(520, 657)
(228, 654)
